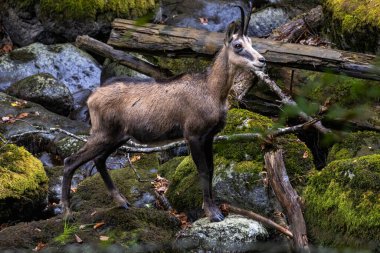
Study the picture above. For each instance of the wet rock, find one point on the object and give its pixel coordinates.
(233, 233)
(72, 67)
(23, 184)
(45, 90)
(35, 117)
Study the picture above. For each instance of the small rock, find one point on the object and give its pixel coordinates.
(234, 232)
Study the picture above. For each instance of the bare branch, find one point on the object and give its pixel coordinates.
(133, 147)
(257, 217)
(287, 100)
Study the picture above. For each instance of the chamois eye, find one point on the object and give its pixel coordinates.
(238, 46)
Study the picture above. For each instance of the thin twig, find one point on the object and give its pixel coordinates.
(134, 170)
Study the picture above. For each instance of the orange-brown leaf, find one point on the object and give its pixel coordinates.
(40, 246)
(99, 224)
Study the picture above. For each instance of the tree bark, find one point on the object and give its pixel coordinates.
(295, 29)
(132, 62)
(288, 198)
(176, 41)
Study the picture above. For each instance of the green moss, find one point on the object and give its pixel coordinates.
(89, 9)
(182, 65)
(343, 203)
(355, 13)
(185, 192)
(237, 165)
(21, 174)
(89, 196)
(354, 145)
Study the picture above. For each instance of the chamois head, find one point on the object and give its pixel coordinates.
(239, 45)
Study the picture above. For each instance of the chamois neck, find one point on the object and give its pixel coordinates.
(221, 76)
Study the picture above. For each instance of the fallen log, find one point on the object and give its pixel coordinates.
(288, 198)
(176, 41)
(295, 29)
(87, 43)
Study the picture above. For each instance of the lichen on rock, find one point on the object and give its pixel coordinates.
(23, 183)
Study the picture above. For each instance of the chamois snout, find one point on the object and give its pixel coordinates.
(244, 55)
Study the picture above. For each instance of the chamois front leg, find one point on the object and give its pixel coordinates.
(200, 152)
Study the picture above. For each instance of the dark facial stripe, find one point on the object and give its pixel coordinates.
(246, 54)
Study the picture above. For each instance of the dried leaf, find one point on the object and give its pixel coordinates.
(93, 213)
(99, 224)
(22, 115)
(104, 238)
(305, 155)
(160, 184)
(38, 230)
(135, 158)
(19, 103)
(40, 246)
(78, 239)
(73, 189)
(5, 119)
(82, 227)
(204, 21)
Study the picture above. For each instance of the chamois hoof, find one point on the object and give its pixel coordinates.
(216, 217)
(214, 214)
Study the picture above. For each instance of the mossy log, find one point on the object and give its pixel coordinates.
(176, 41)
(288, 197)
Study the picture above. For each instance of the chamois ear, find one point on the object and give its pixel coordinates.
(231, 30)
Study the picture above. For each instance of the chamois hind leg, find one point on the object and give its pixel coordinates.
(201, 159)
(100, 163)
(94, 147)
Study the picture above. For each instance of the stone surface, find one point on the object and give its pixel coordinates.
(45, 90)
(233, 233)
(71, 66)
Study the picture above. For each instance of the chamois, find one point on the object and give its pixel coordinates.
(190, 106)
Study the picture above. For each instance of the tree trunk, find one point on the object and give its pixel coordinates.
(288, 198)
(175, 41)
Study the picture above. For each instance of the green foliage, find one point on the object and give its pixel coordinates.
(67, 235)
(343, 203)
(89, 9)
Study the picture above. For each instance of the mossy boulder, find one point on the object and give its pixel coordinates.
(355, 24)
(52, 22)
(238, 167)
(355, 144)
(343, 203)
(23, 184)
(45, 90)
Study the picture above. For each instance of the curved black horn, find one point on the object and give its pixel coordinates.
(248, 18)
(241, 30)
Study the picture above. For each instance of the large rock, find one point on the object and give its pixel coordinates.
(34, 117)
(69, 65)
(51, 22)
(233, 233)
(238, 175)
(354, 25)
(343, 204)
(355, 145)
(45, 90)
(23, 184)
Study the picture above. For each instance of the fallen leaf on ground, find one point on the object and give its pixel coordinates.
(204, 21)
(135, 158)
(78, 239)
(40, 246)
(99, 224)
(305, 155)
(19, 103)
(104, 238)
